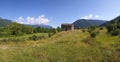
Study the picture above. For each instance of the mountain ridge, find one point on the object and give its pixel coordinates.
(85, 23)
(117, 19)
(4, 22)
(40, 25)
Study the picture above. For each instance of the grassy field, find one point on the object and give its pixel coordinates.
(22, 38)
(69, 46)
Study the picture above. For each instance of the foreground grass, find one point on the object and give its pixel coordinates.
(70, 46)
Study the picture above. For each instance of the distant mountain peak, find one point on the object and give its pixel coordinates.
(40, 25)
(84, 23)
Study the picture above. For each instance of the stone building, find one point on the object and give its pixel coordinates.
(66, 27)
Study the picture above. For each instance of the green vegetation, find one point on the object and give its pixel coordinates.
(15, 32)
(20, 43)
(23, 38)
(15, 29)
(93, 32)
(19, 29)
(34, 37)
(69, 46)
(114, 26)
(4, 22)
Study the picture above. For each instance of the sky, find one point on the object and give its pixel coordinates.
(56, 12)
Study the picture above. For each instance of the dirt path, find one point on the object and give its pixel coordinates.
(3, 47)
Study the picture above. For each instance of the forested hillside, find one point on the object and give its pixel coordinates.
(113, 26)
(84, 23)
(4, 22)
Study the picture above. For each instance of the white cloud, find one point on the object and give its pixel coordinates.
(20, 20)
(91, 16)
(87, 17)
(32, 20)
(97, 16)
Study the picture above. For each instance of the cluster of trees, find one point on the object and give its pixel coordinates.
(114, 27)
(20, 29)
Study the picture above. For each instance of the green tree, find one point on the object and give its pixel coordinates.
(114, 28)
(27, 29)
(58, 29)
(14, 28)
(19, 29)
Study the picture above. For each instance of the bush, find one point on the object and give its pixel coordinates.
(78, 28)
(4, 40)
(49, 35)
(93, 34)
(40, 37)
(101, 28)
(115, 32)
(83, 30)
(34, 37)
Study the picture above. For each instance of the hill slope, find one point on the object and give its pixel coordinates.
(69, 46)
(117, 20)
(4, 22)
(83, 23)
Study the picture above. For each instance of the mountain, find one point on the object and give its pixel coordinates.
(105, 24)
(4, 22)
(84, 23)
(41, 25)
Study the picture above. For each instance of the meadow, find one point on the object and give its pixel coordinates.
(66, 46)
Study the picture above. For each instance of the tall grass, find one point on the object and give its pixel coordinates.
(70, 46)
(19, 39)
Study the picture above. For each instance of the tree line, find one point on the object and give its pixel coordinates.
(20, 29)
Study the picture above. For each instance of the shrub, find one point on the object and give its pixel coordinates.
(101, 28)
(34, 37)
(93, 34)
(4, 40)
(49, 35)
(78, 28)
(83, 30)
(115, 32)
(40, 37)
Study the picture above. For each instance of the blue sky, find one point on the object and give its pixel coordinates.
(55, 12)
